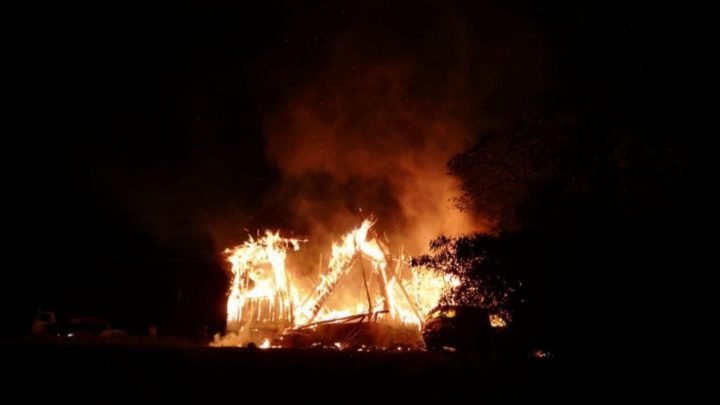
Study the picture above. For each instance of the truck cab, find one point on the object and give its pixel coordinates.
(43, 322)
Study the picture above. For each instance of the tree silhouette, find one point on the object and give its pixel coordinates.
(478, 262)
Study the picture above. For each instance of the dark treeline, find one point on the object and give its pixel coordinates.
(596, 200)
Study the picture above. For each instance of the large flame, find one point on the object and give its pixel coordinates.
(263, 293)
(260, 288)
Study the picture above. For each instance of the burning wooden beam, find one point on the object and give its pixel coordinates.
(322, 292)
(382, 281)
(367, 289)
(396, 274)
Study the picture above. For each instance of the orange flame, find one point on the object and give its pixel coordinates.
(257, 290)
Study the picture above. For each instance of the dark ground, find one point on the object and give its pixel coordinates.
(131, 374)
(94, 373)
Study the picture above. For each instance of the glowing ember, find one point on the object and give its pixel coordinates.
(497, 321)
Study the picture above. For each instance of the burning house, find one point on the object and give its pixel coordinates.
(384, 305)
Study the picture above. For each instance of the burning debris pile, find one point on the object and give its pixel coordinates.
(386, 306)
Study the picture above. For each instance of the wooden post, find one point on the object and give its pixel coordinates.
(367, 289)
(399, 283)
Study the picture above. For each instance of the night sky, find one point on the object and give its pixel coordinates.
(139, 142)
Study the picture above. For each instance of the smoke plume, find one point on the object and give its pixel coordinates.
(373, 139)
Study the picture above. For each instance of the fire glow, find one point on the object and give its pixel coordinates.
(267, 298)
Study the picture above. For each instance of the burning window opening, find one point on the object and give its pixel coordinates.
(387, 308)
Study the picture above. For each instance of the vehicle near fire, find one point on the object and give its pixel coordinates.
(49, 323)
(43, 321)
(466, 329)
(89, 328)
